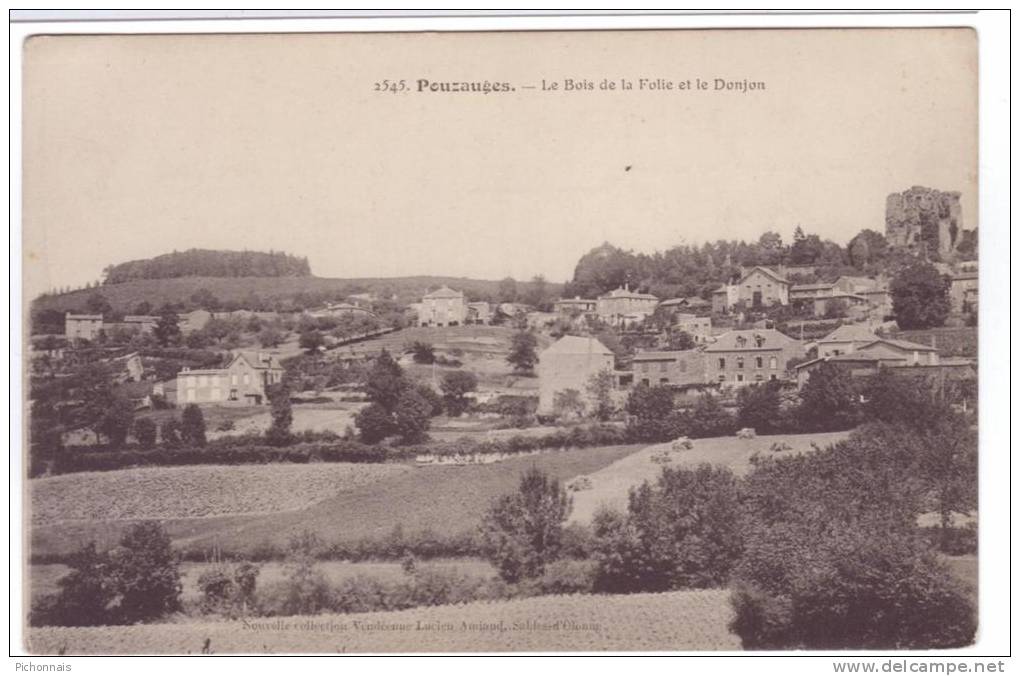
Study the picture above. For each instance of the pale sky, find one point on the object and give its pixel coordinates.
(136, 146)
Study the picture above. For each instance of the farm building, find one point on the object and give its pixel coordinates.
(575, 305)
(568, 364)
(674, 368)
(844, 340)
(903, 357)
(341, 310)
(243, 382)
(443, 307)
(699, 328)
(82, 327)
(479, 313)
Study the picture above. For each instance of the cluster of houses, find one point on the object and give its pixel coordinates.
(740, 358)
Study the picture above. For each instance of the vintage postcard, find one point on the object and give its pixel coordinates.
(504, 341)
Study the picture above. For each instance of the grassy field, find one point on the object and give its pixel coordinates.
(183, 492)
(684, 620)
(447, 500)
(610, 485)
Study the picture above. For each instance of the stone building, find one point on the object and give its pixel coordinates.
(443, 307)
(244, 382)
(669, 367)
(621, 306)
(82, 327)
(569, 364)
(744, 357)
(759, 287)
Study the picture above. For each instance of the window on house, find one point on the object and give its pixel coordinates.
(759, 377)
(247, 379)
(663, 381)
(662, 366)
(741, 341)
(759, 340)
(773, 363)
(722, 377)
(759, 362)
(722, 362)
(644, 381)
(772, 376)
(740, 377)
(740, 362)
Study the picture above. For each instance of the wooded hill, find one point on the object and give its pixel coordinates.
(209, 263)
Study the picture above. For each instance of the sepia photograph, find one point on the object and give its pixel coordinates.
(511, 341)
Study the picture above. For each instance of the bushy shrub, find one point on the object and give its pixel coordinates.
(411, 417)
(455, 386)
(228, 592)
(192, 426)
(681, 532)
(708, 418)
(833, 557)
(523, 531)
(145, 433)
(374, 423)
(137, 581)
(851, 590)
(568, 576)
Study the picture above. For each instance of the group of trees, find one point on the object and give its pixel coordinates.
(137, 581)
(399, 406)
(833, 557)
(822, 550)
(209, 263)
(689, 270)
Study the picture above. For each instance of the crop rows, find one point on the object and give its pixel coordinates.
(181, 492)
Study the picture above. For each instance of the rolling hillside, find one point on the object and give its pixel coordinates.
(240, 290)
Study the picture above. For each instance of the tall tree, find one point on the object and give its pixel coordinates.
(167, 330)
(193, 426)
(523, 353)
(920, 296)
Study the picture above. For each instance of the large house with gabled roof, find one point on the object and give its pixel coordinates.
(745, 357)
(443, 307)
(759, 287)
(244, 382)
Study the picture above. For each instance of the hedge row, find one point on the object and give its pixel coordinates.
(255, 451)
(338, 451)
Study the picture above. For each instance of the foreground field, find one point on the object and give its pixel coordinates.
(446, 500)
(686, 620)
(44, 577)
(610, 485)
(180, 492)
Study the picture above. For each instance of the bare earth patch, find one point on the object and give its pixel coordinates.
(198, 491)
